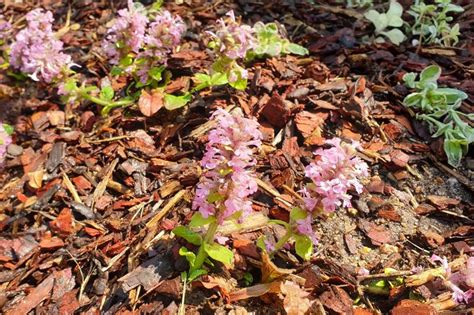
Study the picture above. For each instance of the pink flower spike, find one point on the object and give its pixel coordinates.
(336, 172)
(232, 39)
(36, 51)
(229, 178)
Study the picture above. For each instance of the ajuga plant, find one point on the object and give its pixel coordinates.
(438, 107)
(5, 139)
(223, 192)
(432, 22)
(138, 43)
(335, 171)
(387, 24)
(235, 43)
(461, 283)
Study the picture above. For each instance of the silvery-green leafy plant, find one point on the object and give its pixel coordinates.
(438, 108)
(359, 3)
(270, 43)
(432, 23)
(386, 24)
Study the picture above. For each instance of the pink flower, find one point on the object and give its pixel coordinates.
(127, 34)
(461, 283)
(232, 39)
(223, 192)
(335, 172)
(304, 227)
(5, 141)
(162, 36)
(36, 51)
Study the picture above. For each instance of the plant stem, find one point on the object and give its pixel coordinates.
(202, 254)
(105, 103)
(282, 241)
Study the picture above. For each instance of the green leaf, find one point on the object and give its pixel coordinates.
(190, 236)
(219, 253)
(189, 255)
(198, 220)
(412, 99)
(240, 84)
(454, 152)
(107, 93)
(303, 246)
(156, 73)
(218, 79)
(196, 274)
(394, 14)
(214, 197)
(274, 49)
(380, 21)
(409, 79)
(430, 74)
(8, 129)
(296, 49)
(452, 95)
(126, 61)
(116, 71)
(261, 243)
(173, 102)
(395, 36)
(298, 214)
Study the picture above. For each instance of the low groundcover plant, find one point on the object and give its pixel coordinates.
(223, 192)
(334, 173)
(438, 108)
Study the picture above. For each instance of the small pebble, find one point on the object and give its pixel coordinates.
(14, 150)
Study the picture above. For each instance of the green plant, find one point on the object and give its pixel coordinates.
(358, 3)
(432, 22)
(271, 43)
(382, 21)
(438, 108)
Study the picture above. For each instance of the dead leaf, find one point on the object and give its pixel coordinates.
(270, 271)
(295, 300)
(337, 300)
(150, 104)
(310, 125)
(36, 179)
(255, 291)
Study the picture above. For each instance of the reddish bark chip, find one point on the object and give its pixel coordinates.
(424, 208)
(413, 307)
(51, 243)
(399, 158)
(276, 111)
(442, 202)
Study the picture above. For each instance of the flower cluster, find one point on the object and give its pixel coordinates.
(5, 141)
(149, 41)
(458, 280)
(232, 39)
(229, 179)
(162, 35)
(335, 172)
(127, 34)
(36, 51)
